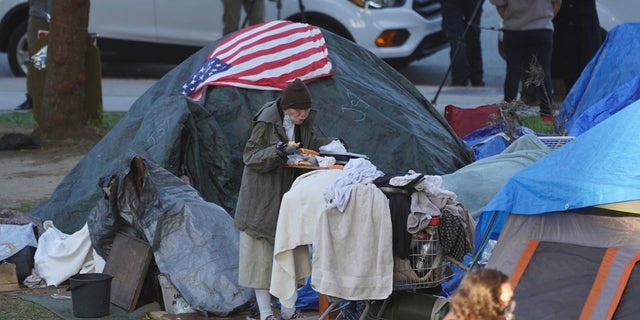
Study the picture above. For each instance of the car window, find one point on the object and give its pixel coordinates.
(191, 22)
(123, 19)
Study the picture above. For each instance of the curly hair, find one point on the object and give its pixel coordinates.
(478, 296)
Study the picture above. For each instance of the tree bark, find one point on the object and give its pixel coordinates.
(63, 114)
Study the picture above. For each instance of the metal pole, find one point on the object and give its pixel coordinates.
(485, 240)
(303, 18)
(455, 53)
(279, 6)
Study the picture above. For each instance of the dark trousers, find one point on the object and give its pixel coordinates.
(519, 47)
(467, 63)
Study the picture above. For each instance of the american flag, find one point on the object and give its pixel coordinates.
(266, 56)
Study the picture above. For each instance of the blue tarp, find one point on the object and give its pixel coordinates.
(598, 167)
(608, 83)
(492, 140)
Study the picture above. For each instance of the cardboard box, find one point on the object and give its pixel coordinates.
(8, 277)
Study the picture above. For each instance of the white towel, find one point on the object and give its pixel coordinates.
(353, 255)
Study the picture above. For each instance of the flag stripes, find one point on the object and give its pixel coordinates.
(265, 57)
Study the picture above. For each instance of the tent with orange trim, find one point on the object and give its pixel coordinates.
(568, 226)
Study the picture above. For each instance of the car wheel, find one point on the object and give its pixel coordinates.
(18, 50)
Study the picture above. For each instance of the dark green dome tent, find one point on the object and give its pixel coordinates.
(366, 102)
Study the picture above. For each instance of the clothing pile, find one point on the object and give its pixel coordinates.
(416, 202)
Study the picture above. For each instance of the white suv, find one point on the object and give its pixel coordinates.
(168, 31)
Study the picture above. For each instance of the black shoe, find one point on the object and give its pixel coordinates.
(297, 315)
(25, 106)
(478, 84)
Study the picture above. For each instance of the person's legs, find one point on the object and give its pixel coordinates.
(542, 41)
(263, 299)
(256, 15)
(34, 25)
(474, 49)
(287, 313)
(454, 25)
(231, 16)
(254, 270)
(515, 52)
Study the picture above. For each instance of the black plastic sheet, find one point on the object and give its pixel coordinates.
(193, 241)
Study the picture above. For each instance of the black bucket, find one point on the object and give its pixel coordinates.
(90, 294)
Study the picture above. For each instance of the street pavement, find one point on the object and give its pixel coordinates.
(119, 94)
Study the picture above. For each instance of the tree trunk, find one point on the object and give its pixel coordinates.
(63, 114)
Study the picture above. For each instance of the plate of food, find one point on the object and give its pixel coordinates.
(343, 157)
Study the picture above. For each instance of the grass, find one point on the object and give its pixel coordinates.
(16, 308)
(535, 123)
(110, 119)
(23, 122)
(21, 118)
(24, 206)
(17, 122)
